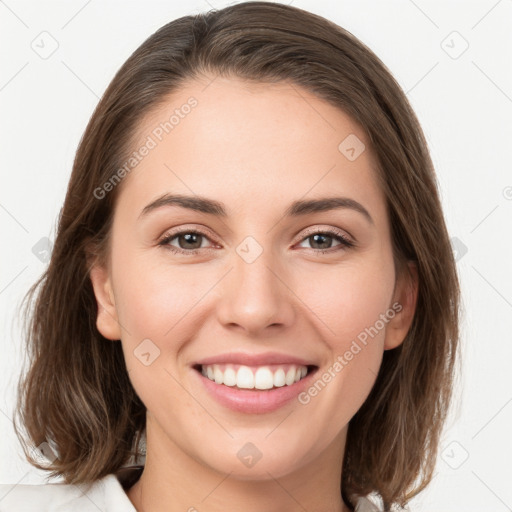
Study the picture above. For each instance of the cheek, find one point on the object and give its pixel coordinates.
(155, 305)
(357, 316)
(351, 309)
(153, 296)
(349, 300)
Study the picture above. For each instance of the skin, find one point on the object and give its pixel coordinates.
(256, 148)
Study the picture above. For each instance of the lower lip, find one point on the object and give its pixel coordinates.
(253, 401)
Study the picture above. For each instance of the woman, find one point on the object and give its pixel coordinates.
(263, 371)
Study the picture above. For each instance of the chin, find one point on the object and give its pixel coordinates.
(250, 464)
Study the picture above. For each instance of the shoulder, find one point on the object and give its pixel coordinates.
(106, 494)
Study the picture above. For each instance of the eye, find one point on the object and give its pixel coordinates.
(323, 240)
(191, 241)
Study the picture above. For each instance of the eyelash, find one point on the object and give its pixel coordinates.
(345, 243)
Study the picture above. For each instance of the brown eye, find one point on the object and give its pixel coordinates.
(188, 242)
(323, 241)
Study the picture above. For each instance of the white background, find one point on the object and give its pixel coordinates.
(464, 105)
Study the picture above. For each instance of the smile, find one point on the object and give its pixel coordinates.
(253, 384)
(254, 377)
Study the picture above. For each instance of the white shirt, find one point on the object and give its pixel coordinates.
(107, 494)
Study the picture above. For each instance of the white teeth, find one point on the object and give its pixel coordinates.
(263, 377)
(230, 377)
(245, 378)
(218, 375)
(279, 378)
(290, 376)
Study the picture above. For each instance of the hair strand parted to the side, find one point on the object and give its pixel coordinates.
(77, 393)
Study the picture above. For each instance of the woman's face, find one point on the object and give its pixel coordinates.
(263, 289)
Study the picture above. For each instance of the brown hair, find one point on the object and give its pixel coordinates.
(77, 395)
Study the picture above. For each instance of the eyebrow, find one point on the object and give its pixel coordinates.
(296, 209)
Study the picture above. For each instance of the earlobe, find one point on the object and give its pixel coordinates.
(406, 295)
(106, 320)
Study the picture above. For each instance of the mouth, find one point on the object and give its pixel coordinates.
(256, 378)
(253, 383)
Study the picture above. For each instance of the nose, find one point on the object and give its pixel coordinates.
(255, 296)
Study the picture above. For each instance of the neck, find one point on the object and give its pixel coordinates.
(173, 481)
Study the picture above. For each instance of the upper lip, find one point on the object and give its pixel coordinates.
(254, 359)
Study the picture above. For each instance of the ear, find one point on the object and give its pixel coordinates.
(405, 296)
(107, 320)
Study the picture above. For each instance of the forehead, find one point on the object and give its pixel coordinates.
(251, 145)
